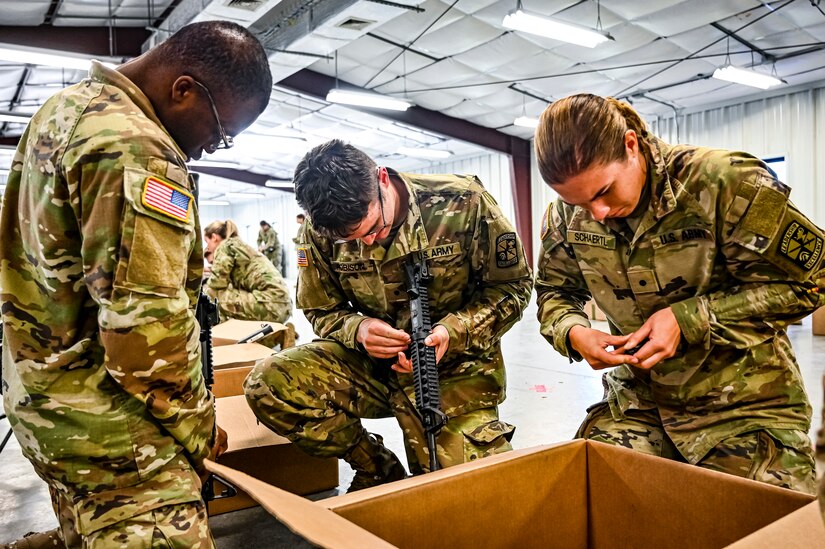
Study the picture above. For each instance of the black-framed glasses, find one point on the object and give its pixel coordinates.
(225, 141)
(381, 205)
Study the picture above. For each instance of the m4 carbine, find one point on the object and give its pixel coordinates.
(425, 370)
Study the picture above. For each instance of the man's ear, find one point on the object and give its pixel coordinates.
(183, 89)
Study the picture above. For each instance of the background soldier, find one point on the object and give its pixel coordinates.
(101, 269)
(698, 255)
(363, 223)
(269, 245)
(245, 283)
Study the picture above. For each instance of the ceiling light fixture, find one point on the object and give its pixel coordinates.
(747, 77)
(371, 100)
(526, 122)
(435, 154)
(544, 26)
(213, 202)
(279, 184)
(15, 118)
(32, 56)
(206, 163)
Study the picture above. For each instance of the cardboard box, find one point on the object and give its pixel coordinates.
(577, 494)
(232, 331)
(263, 455)
(799, 530)
(818, 321)
(593, 312)
(232, 363)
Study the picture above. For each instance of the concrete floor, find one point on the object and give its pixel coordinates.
(547, 398)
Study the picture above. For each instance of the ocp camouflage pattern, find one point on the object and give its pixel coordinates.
(719, 243)
(269, 240)
(101, 367)
(247, 285)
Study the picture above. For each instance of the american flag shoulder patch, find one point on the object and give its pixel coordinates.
(166, 198)
(303, 257)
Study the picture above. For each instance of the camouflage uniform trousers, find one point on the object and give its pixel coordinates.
(244, 305)
(172, 526)
(315, 395)
(760, 455)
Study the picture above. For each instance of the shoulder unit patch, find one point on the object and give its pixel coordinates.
(506, 250)
(801, 245)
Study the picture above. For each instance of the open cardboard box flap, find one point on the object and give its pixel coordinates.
(235, 356)
(233, 330)
(799, 530)
(577, 494)
(235, 417)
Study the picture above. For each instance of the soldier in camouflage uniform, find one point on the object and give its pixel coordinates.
(269, 245)
(363, 223)
(698, 255)
(245, 283)
(101, 269)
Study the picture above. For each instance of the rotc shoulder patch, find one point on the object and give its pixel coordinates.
(506, 250)
(801, 245)
(164, 197)
(303, 257)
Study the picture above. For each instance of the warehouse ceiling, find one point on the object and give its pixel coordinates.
(451, 57)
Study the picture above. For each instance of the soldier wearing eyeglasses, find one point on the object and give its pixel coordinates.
(363, 223)
(101, 268)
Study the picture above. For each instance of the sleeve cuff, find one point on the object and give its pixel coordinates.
(350, 331)
(458, 333)
(560, 331)
(693, 316)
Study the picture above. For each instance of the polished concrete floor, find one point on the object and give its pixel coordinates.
(547, 398)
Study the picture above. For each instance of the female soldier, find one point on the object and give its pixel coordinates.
(698, 258)
(246, 284)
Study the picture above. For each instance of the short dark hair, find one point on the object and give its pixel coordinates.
(264, 222)
(335, 184)
(223, 55)
(300, 216)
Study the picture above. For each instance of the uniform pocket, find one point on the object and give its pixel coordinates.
(683, 260)
(487, 439)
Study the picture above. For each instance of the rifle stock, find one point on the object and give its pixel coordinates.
(425, 369)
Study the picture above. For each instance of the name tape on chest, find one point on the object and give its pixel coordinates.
(165, 198)
(592, 239)
(443, 250)
(352, 266)
(682, 235)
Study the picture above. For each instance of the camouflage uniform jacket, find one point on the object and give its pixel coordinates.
(480, 288)
(101, 365)
(237, 265)
(719, 243)
(268, 241)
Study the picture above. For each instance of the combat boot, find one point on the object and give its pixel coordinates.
(37, 540)
(373, 463)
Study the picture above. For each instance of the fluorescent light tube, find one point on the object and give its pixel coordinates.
(279, 184)
(15, 118)
(526, 122)
(49, 58)
(550, 28)
(206, 163)
(372, 100)
(436, 154)
(747, 77)
(213, 202)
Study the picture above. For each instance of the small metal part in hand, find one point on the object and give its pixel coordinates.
(635, 349)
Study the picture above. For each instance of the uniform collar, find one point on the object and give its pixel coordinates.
(105, 75)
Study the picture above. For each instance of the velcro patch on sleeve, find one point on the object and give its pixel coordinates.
(765, 212)
(506, 250)
(303, 257)
(166, 198)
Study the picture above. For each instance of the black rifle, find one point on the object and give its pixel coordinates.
(425, 370)
(207, 316)
(266, 329)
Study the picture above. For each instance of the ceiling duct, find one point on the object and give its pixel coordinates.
(295, 33)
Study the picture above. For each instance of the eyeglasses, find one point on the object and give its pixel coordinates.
(381, 204)
(225, 141)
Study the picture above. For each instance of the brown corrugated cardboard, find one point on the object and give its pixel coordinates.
(818, 321)
(802, 529)
(232, 331)
(572, 495)
(232, 363)
(593, 311)
(262, 454)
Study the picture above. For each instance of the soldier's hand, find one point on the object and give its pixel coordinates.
(592, 346)
(221, 443)
(380, 339)
(663, 335)
(438, 338)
